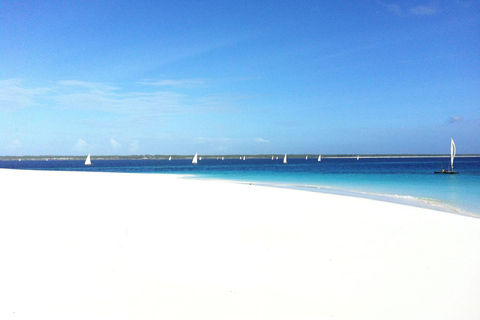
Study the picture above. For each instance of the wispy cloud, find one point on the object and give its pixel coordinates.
(455, 119)
(420, 10)
(394, 8)
(90, 85)
(82, 95)
(175, 83)
(287, 123)
(424, 10)
(13, 94)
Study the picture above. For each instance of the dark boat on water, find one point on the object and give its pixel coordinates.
(453, 151)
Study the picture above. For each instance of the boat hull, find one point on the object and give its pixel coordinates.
(447, 172)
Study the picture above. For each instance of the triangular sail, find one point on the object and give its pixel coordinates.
(195, 159)
(319, 158)
(88, 162)
(169, 158)
(453, 151)
(285, 158)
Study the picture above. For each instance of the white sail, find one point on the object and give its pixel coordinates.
(453, 151)
(169, 158)
(244, 158)
(195, 161)
(272, 157)
(319, 158)
(306, 158)
(285, 158)
(87, 161)
(358, 157)
(223, 158)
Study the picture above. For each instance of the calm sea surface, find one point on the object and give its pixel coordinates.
(391, 179)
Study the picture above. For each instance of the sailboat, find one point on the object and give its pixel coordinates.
(87, 161)
(243, 158)
(306, 158)
(272, 157)
(319, 158)
(453, 151)
(169, 158)
(358, 157)
(285, 158)
(195, 159)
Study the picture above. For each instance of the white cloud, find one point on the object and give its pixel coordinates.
(134, 146)
(81, 146)
(261, 140)
(14, 145)
(115, 145)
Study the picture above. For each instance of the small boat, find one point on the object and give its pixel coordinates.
(272, 157)
(195, 159)
(169, 158)
(358, 157)
(453, 151)
(199, 158)
(223, 158)
(319, 158)
(88, 162)
(285, 158)
(306, 158)
(243, 158)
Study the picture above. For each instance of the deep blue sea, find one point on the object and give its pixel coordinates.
(390, 179)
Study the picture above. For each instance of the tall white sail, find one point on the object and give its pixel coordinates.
(87, 161)
(244, 158)
(195, 159)
(169, 158)
(285, 158)
(453, 151)
(319, 158)
(306, 158)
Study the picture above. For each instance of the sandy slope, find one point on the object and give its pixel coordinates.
(141, 246)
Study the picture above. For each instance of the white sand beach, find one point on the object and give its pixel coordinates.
(83, 245)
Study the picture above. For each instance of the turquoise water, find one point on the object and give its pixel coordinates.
(390, 179)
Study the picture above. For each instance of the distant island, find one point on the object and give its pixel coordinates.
(229, 156)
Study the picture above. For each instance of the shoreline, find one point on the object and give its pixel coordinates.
(433, 204)
(106, 245)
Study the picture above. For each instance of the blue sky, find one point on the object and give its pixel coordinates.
(239, 77)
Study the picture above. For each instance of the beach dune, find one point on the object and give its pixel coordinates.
(85, 245)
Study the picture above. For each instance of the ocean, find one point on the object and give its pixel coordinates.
(404, 180)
